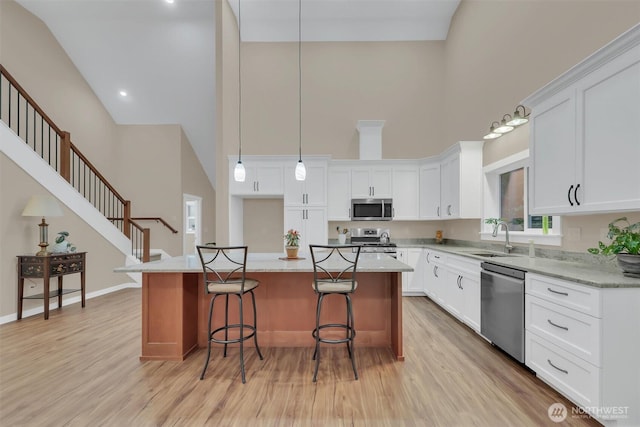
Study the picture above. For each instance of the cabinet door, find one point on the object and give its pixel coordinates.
(415, 279)
(470, 284)
(248, 186)
(610, 101)
(339, 194)
(294, 190)
(430, 191)
(553, 151)
(294, 218)
(360, 184)
(381, 182)
(315, 227)
(402, 256)
(316, 185)
(405, 193)
(270, 179)
(453, 296)
(450, 187)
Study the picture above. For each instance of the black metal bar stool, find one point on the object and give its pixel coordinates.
(334, 272)
(224, 274)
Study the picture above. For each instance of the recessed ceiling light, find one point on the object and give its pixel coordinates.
(169, 1)
(123, 93)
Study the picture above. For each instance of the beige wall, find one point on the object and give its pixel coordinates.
(128, 156)
(499, 52)
(20, 236)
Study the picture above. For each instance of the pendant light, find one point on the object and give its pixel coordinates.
(239, 172)
(301, 171)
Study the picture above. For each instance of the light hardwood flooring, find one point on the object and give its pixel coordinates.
(81, 368)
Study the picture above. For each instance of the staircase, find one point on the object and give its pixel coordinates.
(31, 139)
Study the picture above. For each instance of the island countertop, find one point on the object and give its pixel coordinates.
(267, 262)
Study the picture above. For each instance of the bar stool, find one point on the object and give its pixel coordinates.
(224, 274)
(334, 272)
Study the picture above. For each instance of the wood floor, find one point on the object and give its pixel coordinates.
(81, 368)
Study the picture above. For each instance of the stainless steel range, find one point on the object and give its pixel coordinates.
(373, 240)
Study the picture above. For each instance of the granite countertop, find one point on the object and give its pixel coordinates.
(585, 269)
(266, 262)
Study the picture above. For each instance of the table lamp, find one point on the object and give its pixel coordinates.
(42, 206)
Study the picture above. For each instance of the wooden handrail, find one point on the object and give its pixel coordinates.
(95, 171)
(30, 100)
(157, 219)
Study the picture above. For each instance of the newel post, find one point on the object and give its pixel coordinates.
(126, 219)
(65, 156)
(146, 245)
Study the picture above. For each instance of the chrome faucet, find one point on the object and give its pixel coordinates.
(496, 227)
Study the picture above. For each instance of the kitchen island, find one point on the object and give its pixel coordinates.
(175, 306)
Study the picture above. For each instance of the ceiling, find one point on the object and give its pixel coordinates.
(163, 55)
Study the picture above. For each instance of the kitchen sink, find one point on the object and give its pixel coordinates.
(490, 254)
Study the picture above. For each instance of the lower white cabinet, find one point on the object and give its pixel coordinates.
(585, 342)
(434, 273)
(412, 281)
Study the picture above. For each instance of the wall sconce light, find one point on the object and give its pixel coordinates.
(519, 119)
(504, 127)
(42, 206)
(492, 132)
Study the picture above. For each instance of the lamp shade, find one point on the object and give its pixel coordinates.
(41, 205)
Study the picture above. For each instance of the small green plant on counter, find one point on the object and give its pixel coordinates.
(292, 237)
(624, 239)
(342, 231)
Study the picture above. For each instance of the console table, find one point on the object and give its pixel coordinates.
(44, 267)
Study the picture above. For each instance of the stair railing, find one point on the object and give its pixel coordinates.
(23, 115)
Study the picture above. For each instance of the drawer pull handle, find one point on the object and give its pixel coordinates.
(558, 292)
(557, 326)
(559, 369)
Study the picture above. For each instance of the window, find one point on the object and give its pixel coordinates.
(505, 197)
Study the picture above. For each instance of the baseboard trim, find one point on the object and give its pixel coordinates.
(67, 301)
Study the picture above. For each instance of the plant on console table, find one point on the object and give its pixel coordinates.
(625, 245)
(292, 243)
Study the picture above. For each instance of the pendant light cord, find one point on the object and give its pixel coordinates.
(299, 80)
(239, 89)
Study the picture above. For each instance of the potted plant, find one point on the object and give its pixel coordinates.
(625, 245)
(342, 235)
(292, 243)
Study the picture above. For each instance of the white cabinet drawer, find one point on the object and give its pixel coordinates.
(570, 375)
(573, 331)
(584, 299)
(458, 263)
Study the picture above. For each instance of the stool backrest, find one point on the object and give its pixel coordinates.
(334, 264)
(223, 265)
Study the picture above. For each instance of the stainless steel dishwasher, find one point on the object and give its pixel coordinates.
(502, 308)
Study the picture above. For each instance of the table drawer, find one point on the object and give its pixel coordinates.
(576, 379)
(571, 330)
(584, 299)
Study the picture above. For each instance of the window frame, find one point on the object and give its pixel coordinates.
(491, 204)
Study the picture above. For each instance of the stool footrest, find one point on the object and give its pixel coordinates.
(351, 333)
(232, 340)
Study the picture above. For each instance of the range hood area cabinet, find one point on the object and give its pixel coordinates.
(451, 184)
(585, 134)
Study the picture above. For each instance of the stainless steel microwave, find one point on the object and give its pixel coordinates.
(371, 209)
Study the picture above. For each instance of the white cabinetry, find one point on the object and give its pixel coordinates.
(430, 190)
(406, 192)
(339, 193)
(311, 223)
(461, 181)
(434, 274)
(264, 177)
(371, 181)
(463, 290)
(585, 134)
(310, 192)
(585, 342)
(412, 281)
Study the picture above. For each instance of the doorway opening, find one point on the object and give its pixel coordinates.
(192, 228)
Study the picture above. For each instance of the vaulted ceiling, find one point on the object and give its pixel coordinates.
(163, 54)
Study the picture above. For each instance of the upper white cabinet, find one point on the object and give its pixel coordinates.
(339, 193)
(406, 192)
(264, 177)
(430, 190)
(461, 181)
(585, 134)
(371, 181)
(310, 192)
